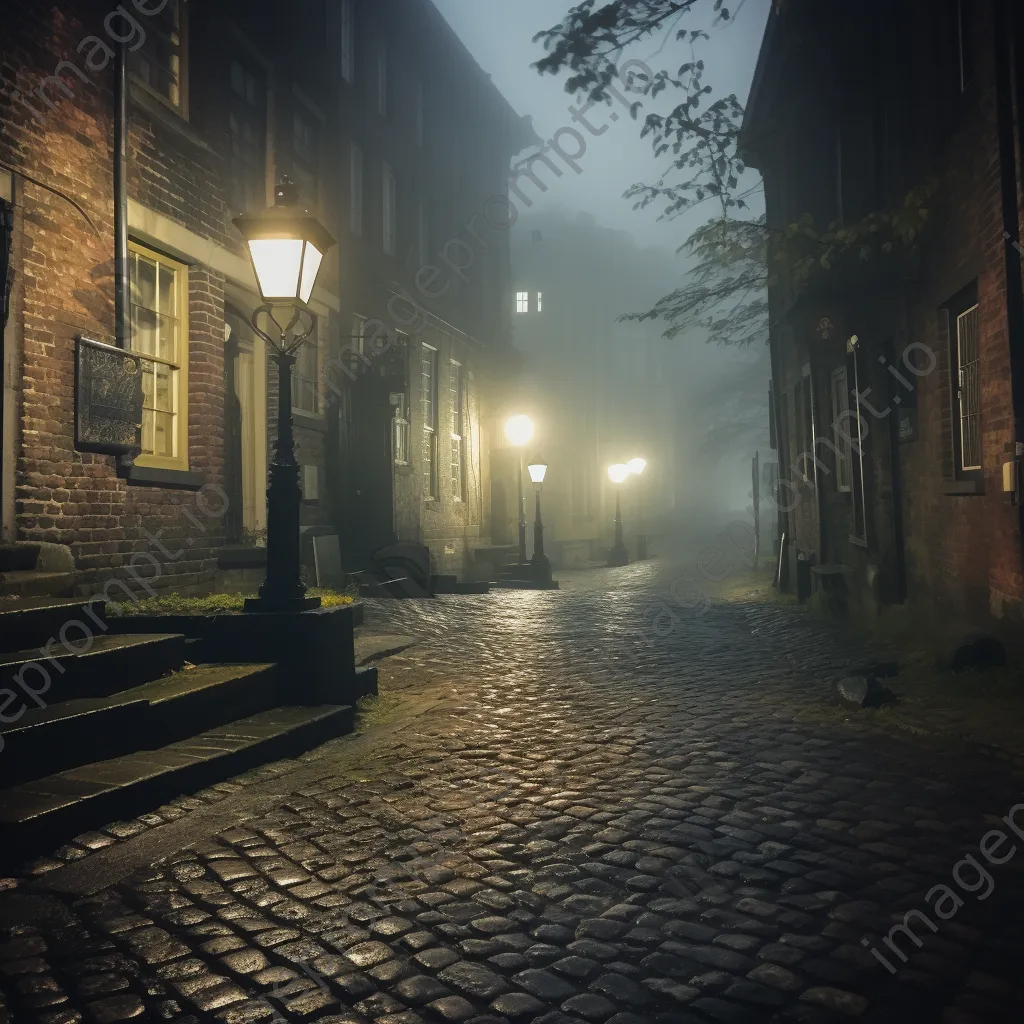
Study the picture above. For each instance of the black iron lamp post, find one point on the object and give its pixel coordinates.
(618, 475)
(518, 432)
(541, 564)
(286, 245)
(636, 467)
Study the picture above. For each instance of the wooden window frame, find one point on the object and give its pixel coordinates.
(428, 353)
(457, 398)
(180, 461)
(181, 108)
(950, 319)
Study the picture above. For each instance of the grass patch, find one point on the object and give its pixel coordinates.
(210, 604)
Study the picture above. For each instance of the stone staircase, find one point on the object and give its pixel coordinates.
(96, 727)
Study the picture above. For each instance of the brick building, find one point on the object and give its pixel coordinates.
(901, 373)
(396, 145)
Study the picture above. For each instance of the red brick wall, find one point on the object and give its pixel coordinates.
(64, 273)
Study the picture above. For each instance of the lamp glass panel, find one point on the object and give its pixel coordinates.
(537, 472)
(310, 268)
(278, 262)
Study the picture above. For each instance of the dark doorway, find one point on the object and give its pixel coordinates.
(371, 486)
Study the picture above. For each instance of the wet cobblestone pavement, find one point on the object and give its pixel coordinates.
(576, 806)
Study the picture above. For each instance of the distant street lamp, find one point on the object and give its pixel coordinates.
(618, 475)
(286, 245)
(519, 433)
(542, 565)
(637, 467)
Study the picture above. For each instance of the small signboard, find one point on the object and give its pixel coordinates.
(108, 398)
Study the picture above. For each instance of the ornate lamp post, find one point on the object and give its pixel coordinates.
(636, 467)
(542, 566)
(618, 475)
(519, 432)
(286, 245)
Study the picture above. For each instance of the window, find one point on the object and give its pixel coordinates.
(540, 305)
(159, 323)
(306, 156)
(160, 60)
(419, 113)
(358, 338)
(348, 40)
(400, 430)
(355, 215)
(382, 80)
(840, 429)
(961, 317)
(456, 387)
(428, 399)
(306, 377)
(389, 210)
(423, 234)
(804, 412)
(522, 302)
(247, 126)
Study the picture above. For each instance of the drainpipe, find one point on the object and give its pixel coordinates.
(1008, 26)
(122, 330)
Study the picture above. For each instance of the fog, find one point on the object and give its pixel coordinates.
(700, 410)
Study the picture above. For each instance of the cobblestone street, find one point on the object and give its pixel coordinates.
(586, 805)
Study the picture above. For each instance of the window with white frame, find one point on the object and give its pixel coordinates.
(540, 302)
(428, 405)
(355, 215)
(400, 429)
(967, 356)
(389, 208)
(382, 79)
(348, 40)
(160, 60)
(841, 429)
(457, 397)
(522, 302)
(306, 377)
(159, 325)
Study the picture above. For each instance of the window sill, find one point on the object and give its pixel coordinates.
(150, 476)
(154, 104)
(963, 487)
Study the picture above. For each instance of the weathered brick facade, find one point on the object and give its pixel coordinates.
(183, 171)
(917, 520)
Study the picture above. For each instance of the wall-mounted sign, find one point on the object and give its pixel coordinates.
(108, 398)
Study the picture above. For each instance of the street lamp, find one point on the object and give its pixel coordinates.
(519, 433)
(618, 474)
(286, 246)
(636, 467)
(538, 469)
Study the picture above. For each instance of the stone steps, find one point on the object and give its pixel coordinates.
(38, 814)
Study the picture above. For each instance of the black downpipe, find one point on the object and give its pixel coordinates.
(122, 330)
(1008, 32)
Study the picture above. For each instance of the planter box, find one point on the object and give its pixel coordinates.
(313, 650)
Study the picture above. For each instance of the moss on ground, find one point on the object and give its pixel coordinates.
(210, 604)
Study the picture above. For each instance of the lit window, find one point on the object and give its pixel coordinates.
(382, 80)
(305, 377)
(348, 40)
(456, 387)
(522, 302)
(160, 60)
(400, 430)
(428, 403)
(389, 210)
(159, 315)
(540, 305)
(356, 190)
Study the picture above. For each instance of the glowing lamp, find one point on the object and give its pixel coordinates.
(618, 473)
(519, 430)
(286, 245)
(538, 469)
(636, 466)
